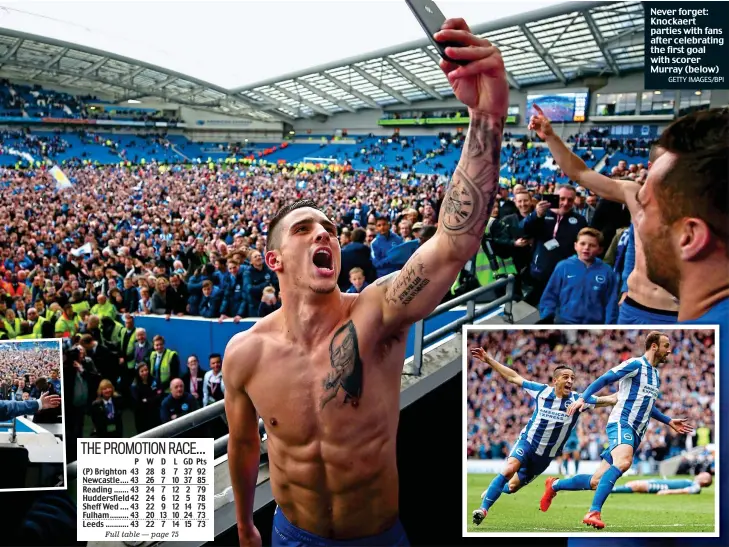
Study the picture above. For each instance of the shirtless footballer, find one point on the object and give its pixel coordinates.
(645, 302)
(324, 371)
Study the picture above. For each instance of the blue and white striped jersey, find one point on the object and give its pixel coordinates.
(638, 390)
(549, 426)
(675, 484)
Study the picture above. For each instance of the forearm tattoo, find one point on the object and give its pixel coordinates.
(470, 195)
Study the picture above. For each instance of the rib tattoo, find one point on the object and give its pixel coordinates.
(347, 365)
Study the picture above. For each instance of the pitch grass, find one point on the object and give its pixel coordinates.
(622, 513)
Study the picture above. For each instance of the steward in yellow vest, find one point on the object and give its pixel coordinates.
(164, 364)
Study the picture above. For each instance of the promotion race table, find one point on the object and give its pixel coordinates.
(145, 490)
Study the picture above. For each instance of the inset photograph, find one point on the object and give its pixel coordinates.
(583, 431)
(32, 437)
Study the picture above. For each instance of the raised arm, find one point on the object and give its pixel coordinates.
(412, 293)
(575, 169)
(505, 372)
(244, 442)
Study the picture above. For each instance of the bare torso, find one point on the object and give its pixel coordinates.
(331, 412)
(642, 290)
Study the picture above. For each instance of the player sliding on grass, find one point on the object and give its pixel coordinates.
(543, 438)
(666, 487)
(638, 391)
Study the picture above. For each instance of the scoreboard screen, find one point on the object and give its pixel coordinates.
(560, 106)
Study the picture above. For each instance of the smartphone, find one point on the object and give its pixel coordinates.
(431, 19)
(553, 200)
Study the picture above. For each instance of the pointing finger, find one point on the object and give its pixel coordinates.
(538, 109)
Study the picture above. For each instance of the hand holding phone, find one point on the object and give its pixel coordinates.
(553, 200)
(431, 19)
(473, 65)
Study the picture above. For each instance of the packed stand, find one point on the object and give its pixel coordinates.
(27, 371)
(35, 102)
(497, 410)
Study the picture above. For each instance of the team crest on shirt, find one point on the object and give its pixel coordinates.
(600, 278)
(572, 220)
(184, 406)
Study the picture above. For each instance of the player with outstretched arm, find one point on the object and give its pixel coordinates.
(639, 388)
(543, 438)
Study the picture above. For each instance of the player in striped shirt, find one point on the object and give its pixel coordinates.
(543, 438)
(639, 387)
(665, 487)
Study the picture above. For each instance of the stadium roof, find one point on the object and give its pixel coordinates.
(553, 45)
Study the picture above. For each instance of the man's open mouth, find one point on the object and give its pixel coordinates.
(323, 259)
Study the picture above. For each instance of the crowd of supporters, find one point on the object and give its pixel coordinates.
(497, 410)
(29, 369)
(188, 240)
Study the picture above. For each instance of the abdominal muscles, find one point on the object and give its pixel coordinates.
(339, 478)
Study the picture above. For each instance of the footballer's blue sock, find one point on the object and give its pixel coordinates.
(506, 489)
(578, 482)
(494, 491)
(577, 466)
(604, 487)
(622, 490)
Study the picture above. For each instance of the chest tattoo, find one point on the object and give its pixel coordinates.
(346, 365)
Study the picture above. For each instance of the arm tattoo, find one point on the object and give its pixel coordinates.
(347, 367)
(408, 283)
(470, 195)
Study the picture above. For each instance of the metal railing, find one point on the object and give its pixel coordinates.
(13, 425)
(205, 415)
(422, 341)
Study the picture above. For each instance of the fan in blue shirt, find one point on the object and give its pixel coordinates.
(582, 289)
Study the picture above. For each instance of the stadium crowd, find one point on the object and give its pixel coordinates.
(497, 411)
(28, 370)
(174, 240)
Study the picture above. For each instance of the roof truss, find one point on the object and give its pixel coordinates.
(552, 45)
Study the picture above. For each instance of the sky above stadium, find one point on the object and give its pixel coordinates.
(237, 43)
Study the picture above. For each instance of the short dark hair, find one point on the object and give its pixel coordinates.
(427, 231)
(555, 372)
(653, 337)
(358, 235)
(274, 238)
(697, 184)
(215, 356)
